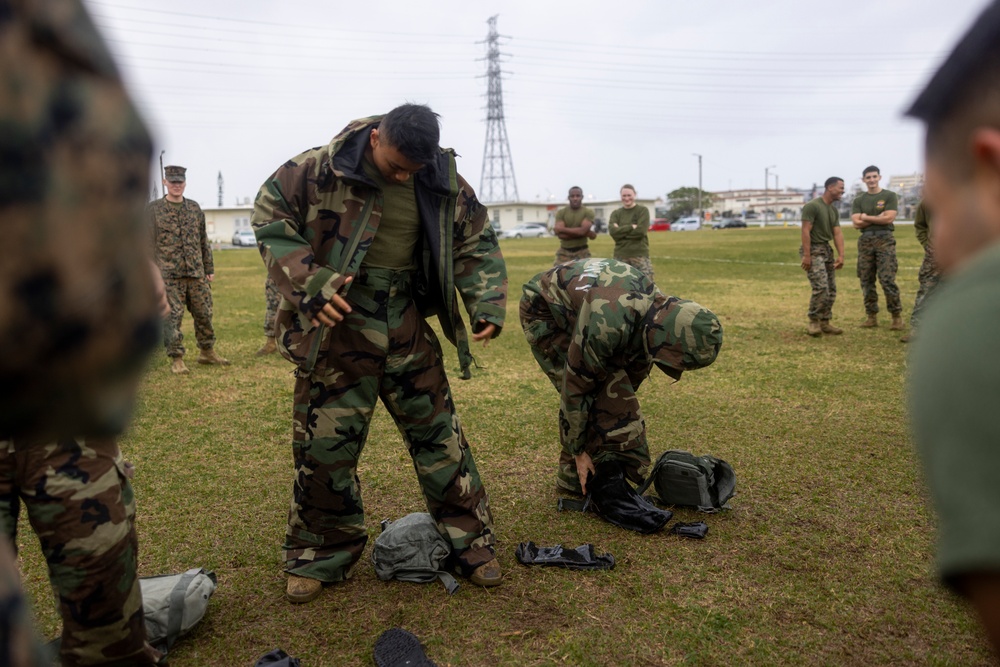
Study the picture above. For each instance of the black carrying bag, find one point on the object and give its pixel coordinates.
(611, 497)
(682, 479)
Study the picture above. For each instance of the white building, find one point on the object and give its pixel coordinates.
(782, 205)
(222, 223)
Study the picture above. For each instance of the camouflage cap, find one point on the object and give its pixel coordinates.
(174, 174)
(682, 335)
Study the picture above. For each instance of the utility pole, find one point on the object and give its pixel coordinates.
(701, 212)
(767, 185)
(220, 189)
(497, 181)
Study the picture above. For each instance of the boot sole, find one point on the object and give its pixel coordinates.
(303, 597)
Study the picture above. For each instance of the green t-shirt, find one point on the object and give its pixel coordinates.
(575, 218)
(395, 241)
(954, 392)
(922, 224)
(630, 242)
(824, 217)
(875, 204)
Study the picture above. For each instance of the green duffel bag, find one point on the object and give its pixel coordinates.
(685, 480)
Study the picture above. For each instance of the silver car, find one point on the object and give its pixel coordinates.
(244, 237)
(526, 230)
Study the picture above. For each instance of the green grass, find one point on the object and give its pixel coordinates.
(825, 558)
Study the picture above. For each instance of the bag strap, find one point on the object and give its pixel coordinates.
(175, 613)
(449, 582)
(573, 505)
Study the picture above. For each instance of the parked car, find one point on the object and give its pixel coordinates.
(728, 223)
(244, 237)
(526, 230)
(659, 225)
(689, 224)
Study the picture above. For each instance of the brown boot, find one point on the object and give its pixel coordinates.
(814, 328)
(906, 339)
(177, 366)
(871, 322)
(302, 589)
(210, 356)
(270, 347)
(828, 328)
(897, 323)
(487, 574)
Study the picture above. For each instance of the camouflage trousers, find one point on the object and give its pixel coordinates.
(195, 294)
(273, 298)
(877, 258)
(823, 281)
(383, 350)
(80, 504)
(929, 277)
(564, 255)
(615, 428)
(644, 264)
(18, 644)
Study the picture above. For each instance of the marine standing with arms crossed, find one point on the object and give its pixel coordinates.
(574, 225)
(873, 212)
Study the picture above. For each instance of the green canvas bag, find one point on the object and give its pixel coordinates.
(412, 549)
(682, 479)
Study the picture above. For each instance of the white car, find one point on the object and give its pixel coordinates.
(527, 230)
(689, 224)
(244, 237)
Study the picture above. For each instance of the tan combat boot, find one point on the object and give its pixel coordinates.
(270, 347)
(828, 328)
(814, 328)
(302, 589)
(897, 323)
(871, 322)
(487, 574)
(906, 339)
(177, 366)
(210, 356)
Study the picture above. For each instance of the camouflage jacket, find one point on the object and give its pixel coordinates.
(606, 308)
(315, 218)
(77, 309)
(180, 240)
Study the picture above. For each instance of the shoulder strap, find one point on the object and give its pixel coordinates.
(175, 615)
(449, 582)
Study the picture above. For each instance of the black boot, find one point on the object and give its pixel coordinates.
(614, 500)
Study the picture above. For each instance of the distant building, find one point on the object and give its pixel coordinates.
(221, 223)
(911, 183)
(781, 205)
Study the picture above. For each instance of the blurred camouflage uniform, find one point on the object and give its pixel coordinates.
(184, 255)
(929, 274)
(78, 312)
(315, 219)
(273, 298)
(596, 327)
(81, 506)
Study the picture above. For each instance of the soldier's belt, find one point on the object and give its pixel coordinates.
(876, 232)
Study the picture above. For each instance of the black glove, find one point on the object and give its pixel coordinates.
(580, 558)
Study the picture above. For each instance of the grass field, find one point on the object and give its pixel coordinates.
(824, 559)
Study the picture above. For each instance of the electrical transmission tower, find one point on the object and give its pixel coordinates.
(497, 182)
(220, 189)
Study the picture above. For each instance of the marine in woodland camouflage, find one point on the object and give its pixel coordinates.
(596, 328)
(78, 315)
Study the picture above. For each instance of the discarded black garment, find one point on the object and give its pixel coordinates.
(698, 530)
(580, 558)
(396, 647)
(277, 658)
(614, 500)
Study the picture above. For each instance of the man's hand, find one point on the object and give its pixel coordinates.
(839, 264)
(806, 262)
(334, 310)
(584, 465)
(160, 290)
(592, 234)
(210, 277)
(485, 334)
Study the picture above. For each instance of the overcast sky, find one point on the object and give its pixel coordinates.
(595, 93)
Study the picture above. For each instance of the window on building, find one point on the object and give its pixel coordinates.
(520, 215)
